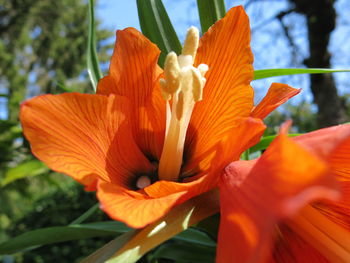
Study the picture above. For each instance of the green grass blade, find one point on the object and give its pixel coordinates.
(190, 236)
(184, 252)
(210, 11)
(104, 253)
(156, 25)
(265, 142)
(23, 170)
(93, 65)
(86, 215)
(131, 246)
(195, 237)
(57, 234)
(268, 73)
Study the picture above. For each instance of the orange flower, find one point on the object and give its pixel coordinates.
(113, 141)
(284, 206)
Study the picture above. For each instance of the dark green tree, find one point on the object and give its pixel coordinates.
(42, 50)
(42, 47)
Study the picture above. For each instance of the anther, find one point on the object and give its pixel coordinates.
(203, 68)
(164, 89)
(191, 43)
(172, 72)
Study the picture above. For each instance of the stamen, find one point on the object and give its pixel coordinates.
(171, 72)
(183, 84)
(143, 181)
(191, 43)
(330, 239)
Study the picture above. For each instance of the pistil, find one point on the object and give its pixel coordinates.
(183, 85)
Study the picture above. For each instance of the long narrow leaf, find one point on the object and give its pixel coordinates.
(133, 245)
(93, 65)
(210, 11)
(191, 236)
(86, 215)
(265, 142)
(182, 253)
(104, 253)
(268, 73)
(156, 25)
(195, 236)
(26, 169)
(51, 235)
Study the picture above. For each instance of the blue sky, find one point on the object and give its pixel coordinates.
(183, 13)
(269, 44)
(271, 50)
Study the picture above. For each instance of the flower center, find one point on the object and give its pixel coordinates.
(329, 238)
(183, 85)
(143, 181)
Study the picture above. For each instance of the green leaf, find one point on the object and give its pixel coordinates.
(195, 236)
(26, 169)
(93, 65)
(210, 11)
(210, 226)
(57, 234)
(86, 215)
(104, 253)
(268, 73)
(245, 155)
(63, 87)
(156, 25)
(133, 245)
(265, 142)
(183, 253)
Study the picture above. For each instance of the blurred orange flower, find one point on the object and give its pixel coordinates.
(150, 140)
(285, 206)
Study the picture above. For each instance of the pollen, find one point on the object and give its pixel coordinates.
(182, 84)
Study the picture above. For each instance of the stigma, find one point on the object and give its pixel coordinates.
(182, 85)
(143, 181)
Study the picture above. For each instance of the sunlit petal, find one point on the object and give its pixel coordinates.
(227, 94)
(254, 200)
(80, 135)
(134, 73)
(277, 95)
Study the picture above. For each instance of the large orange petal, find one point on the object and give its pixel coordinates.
(340, 160)
(134, 73)
(133, 67)
(138, 209)
(255, 199)
(227, 95)
(277, 95)
(332, 144)
(217, 152)
(338, 211)
(291, 248)
(83, 136)
(133, 208)
(193, 188)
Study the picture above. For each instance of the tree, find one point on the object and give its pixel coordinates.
(321, 21)
(42, 50)
(43, 45)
